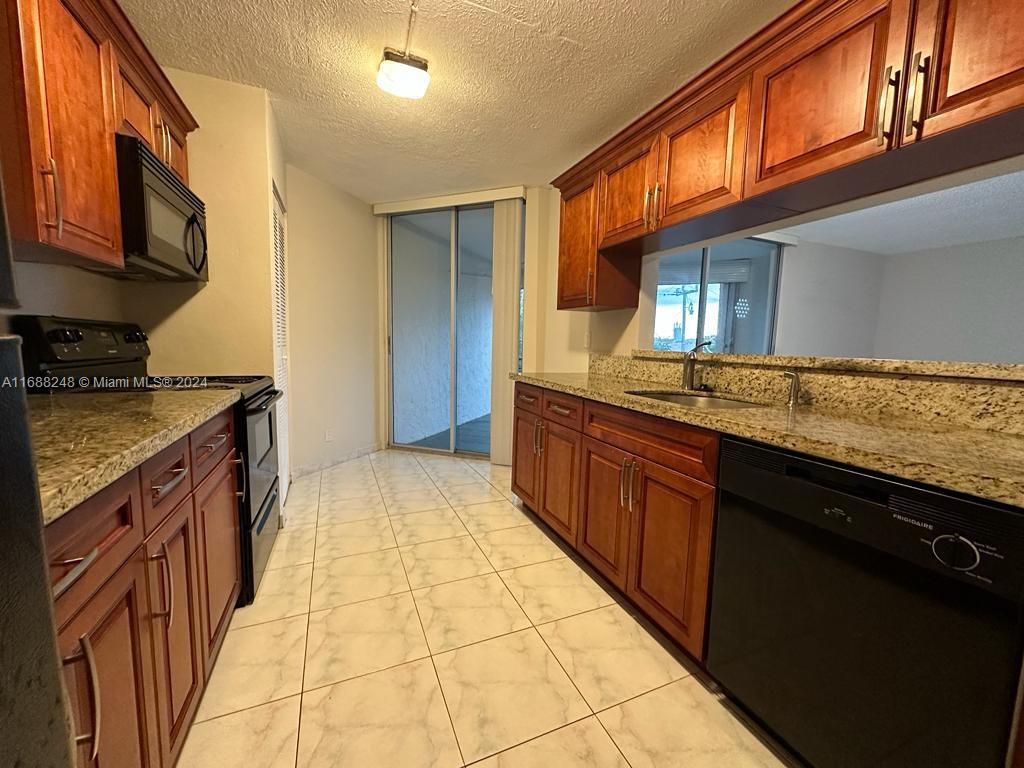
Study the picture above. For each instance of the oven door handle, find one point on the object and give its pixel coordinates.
(265, 403)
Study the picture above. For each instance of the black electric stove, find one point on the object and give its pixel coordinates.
(64, 354)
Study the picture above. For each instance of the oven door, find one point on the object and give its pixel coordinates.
(262, 534)
(261, 437)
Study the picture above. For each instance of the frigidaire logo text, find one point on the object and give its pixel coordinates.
(912, 521)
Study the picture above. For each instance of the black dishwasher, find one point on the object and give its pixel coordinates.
(865, 621)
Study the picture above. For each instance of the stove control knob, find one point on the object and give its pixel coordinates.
(76, 335)
(956, 552)
(62, 335)
(135, 337)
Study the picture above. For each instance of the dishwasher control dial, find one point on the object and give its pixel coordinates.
(956, 552)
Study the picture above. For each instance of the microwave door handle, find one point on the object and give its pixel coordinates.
(202, 236)
(188, 241)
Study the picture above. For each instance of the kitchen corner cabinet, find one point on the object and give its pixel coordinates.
(75, 74)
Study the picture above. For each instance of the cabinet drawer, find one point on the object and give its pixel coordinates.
(210, 443)
(165, 482)
(689, 450)
(528, 398)
(566, 410)
(88, 544)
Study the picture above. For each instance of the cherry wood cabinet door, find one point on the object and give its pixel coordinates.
(967, 63)
(177, 151)
(220, 566)
(526, 457)
(108, 670)
(76, 94)
(560, 477)
(604, 525)
(135, 106)
(827, 97)
(172, 553)
(627, 192)
(577, 246)
(701, 155)
(670, 555)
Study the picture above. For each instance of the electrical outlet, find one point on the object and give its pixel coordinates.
(328, 436)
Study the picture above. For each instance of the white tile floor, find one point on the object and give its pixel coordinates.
(413, 615)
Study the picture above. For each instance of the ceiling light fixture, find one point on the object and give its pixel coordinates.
(400, 73)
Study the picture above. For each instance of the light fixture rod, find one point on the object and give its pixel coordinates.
(413, 8)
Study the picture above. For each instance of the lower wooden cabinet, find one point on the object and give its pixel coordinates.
(106, 648)
(604, 528)
(560, 452)
(526, 456)
(670, 551)
(174, 595)
(216, 509)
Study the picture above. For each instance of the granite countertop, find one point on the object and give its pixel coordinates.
(84, 441)
(978, 462)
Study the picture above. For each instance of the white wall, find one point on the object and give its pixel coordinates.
(962, 303)
(828, 301)
(332, 297)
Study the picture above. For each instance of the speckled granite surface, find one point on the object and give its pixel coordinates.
(85, 441)
(979, 462)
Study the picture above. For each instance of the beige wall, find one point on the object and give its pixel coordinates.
(333, 316)
(51, 289)
(224, 326)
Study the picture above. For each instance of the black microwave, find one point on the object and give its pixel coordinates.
(163, 222)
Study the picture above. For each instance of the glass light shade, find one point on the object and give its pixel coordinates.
(403, 78)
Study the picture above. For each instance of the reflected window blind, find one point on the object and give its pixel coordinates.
(726, 271)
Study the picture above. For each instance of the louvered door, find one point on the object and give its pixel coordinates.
(281, 343)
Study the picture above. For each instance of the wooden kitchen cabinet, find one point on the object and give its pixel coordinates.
(526, 455)
(175, 615)
(828, 97)
(627, 190)
(135, 106)
(220, 568)
(560, 453)
(967, 63)
(107, 655)
(701, 155)
(605, 520)
(577, 246)
(670, 553)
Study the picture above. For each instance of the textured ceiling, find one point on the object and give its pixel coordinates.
(520, 89)
(973, 213)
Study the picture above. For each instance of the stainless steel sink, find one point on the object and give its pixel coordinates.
(698, 401)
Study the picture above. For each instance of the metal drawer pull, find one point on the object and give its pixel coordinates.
(622, 484)
(528, 399)
(160, 491)
(240, 461)
(81, 564)
(561, 410)
(540, 437)
(218, 441)
(169, 613)
(58, 197)
(94, 695)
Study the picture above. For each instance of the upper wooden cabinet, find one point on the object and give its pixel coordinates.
(76, 73)
(967, 63)
(701, 155)
(828, 97)
(577, 246)
(628, 186)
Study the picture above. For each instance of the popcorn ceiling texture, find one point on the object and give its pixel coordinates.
(520, 89)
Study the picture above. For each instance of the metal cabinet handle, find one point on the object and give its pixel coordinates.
(160, 491)
(561, 410)
(81, 564)
(540, 437)
(536, 438)
(528, 399)
(58, 197)
(94, 694)
(219, 440)
(917, 78)
(654, 206)
(590, 279)
(647, 208)
(632, 473)
(886, 126)
(240, 462)
(622, 483)
(163, 556)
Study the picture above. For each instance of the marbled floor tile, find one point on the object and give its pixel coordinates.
(363, 637)
(394, 461)
(283, 592)
(431, 525)
(405, 484)
(504, 691)
(299, 514)
(393, 719)
(515, 547)
(684, 726)
(584, 744)
(256, 665)
(436, 562)
(496, 474)
(294, 546)
(357, 577)
(350, 510)
(414, 501)
(344, 474)
(554, 590)
(491, 516)
(463, 612)
(339, 490)
(260, 737)
(610, 656)
(473, 493)
(353, 538)
(454, 476)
